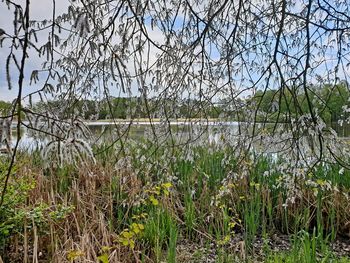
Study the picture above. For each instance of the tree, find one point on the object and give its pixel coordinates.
(5, 108)
(328, 101)
(176, 50)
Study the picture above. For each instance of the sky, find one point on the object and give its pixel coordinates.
(42, 9)
(39, 10)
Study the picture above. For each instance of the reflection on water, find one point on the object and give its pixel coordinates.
(102, 132)
(180, 132)
(183, 132)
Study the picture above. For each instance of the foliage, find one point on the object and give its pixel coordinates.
(176, 59)
(5, 108)
(328, 101)
(126, 108)
(16, 215)
(150, 205)
(182, 59)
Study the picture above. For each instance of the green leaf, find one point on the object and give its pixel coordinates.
(103, 258)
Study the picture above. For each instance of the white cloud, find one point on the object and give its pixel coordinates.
(39, 10)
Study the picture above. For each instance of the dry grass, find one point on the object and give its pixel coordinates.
(105, 198)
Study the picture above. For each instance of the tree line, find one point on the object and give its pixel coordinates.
(131, 108)
(328, 101)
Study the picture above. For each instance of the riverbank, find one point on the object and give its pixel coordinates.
(209, 122)
(196, 204)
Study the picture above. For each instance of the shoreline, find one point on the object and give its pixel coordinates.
(209, 122)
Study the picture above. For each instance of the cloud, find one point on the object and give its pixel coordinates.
(39, 11)
(7, 95)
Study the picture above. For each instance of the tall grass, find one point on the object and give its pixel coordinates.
(140, 208)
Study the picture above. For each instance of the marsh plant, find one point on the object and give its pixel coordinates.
(5, 133)
(275, 180)
(143, 207)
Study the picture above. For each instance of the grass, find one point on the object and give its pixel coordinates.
(146, 206)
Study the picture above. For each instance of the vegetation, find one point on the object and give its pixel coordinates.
(328, 101)
(143, 208)
(273, 188)
(5, 108)
(130, 108)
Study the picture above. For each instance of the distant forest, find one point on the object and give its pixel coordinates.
(328, 102)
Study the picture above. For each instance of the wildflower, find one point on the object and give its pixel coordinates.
(232, 224)
(153, 200)
(225, 240)
(126, 238)
(141, 216)
(255, 185)
(137, 228)
(167, 185)
(320, 182)
(74, 254)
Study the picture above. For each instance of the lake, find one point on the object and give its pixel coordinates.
(183, 131)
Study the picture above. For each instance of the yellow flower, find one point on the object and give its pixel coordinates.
(74, 254)
(225, 240)
(127, 234)
(320, 182)
(167, 185)
(132, 244)
(144, 215)
(232, 224)
(137, 228)
(153, 200)
(125, 242)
